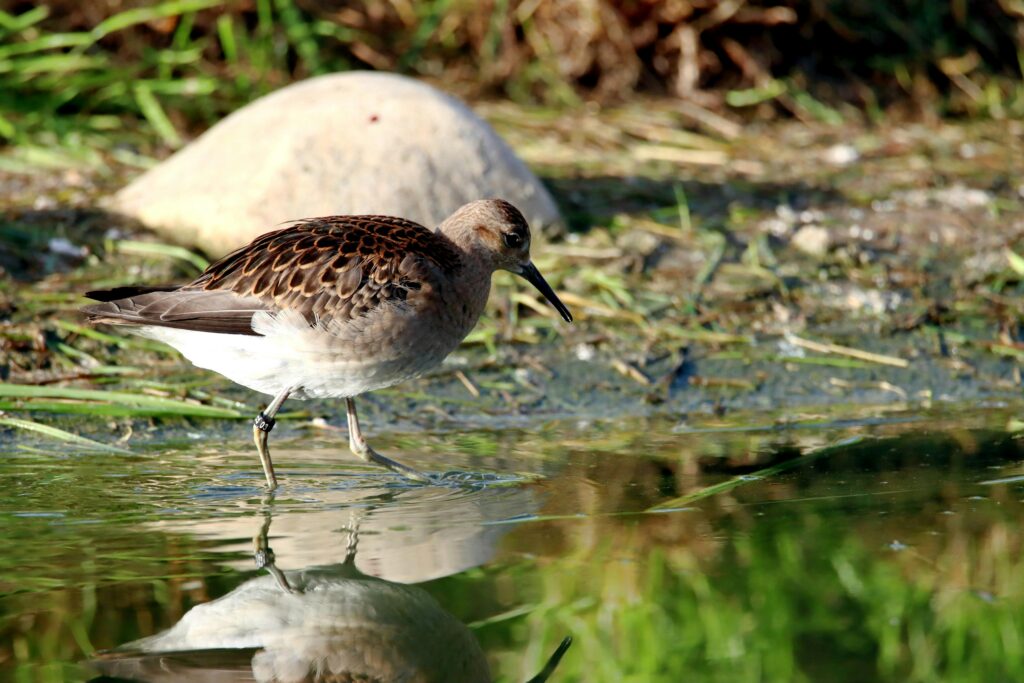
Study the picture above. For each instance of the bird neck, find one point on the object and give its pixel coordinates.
(466, 293)
(476, 261)
(473, 285)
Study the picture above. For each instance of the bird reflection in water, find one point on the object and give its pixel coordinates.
(328, 623)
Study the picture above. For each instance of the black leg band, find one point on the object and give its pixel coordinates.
(264, 423)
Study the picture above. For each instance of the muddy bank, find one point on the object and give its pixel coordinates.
(780, 267)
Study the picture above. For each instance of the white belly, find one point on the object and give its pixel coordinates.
(323, 361)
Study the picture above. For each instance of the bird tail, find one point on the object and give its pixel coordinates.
(113, 309)
(175, 306)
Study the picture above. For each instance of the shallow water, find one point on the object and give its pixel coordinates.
(868, 549)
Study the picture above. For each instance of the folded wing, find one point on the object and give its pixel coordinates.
(336, 268)
(188, 309)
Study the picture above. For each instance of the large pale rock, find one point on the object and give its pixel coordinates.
(349, 143)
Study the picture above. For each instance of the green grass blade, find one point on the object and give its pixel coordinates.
(141, 15)
(165, 405)
(53, 64)
(226, 35)
(299, 34)
(58, 434)
(155, 114)
(158, 249)
(7, 129)
(53, 41)
(184, 87)
(93, 409)
(1016, 261)
(14, 23)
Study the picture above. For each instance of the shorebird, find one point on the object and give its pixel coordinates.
(334, 307)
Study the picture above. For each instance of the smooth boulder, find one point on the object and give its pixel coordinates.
(348, 143)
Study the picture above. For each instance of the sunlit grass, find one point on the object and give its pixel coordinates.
(150, 76)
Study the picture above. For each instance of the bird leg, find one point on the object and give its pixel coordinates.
(261, 427)
(263, 554)
(358, 445)
(355, 516)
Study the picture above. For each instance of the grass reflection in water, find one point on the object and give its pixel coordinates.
(897, 558)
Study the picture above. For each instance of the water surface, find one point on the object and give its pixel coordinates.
(880, 548)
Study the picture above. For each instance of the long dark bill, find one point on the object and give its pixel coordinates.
(533, 276)
(553, 661)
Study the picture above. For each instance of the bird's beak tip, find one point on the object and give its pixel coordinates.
(530, 273)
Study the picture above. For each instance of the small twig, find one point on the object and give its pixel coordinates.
(624, 368)
(662, 230)
(581, 252)
(466, 382)
(892, 388)
(593, 306)
(884, 386)
(732, 383)
(696, 157)
(707, 118)
(848, 351)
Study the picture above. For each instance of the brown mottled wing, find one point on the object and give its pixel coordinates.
(338, 267)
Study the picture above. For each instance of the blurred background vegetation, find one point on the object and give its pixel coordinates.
(74, 71)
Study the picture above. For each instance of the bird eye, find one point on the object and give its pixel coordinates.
(513, 240)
